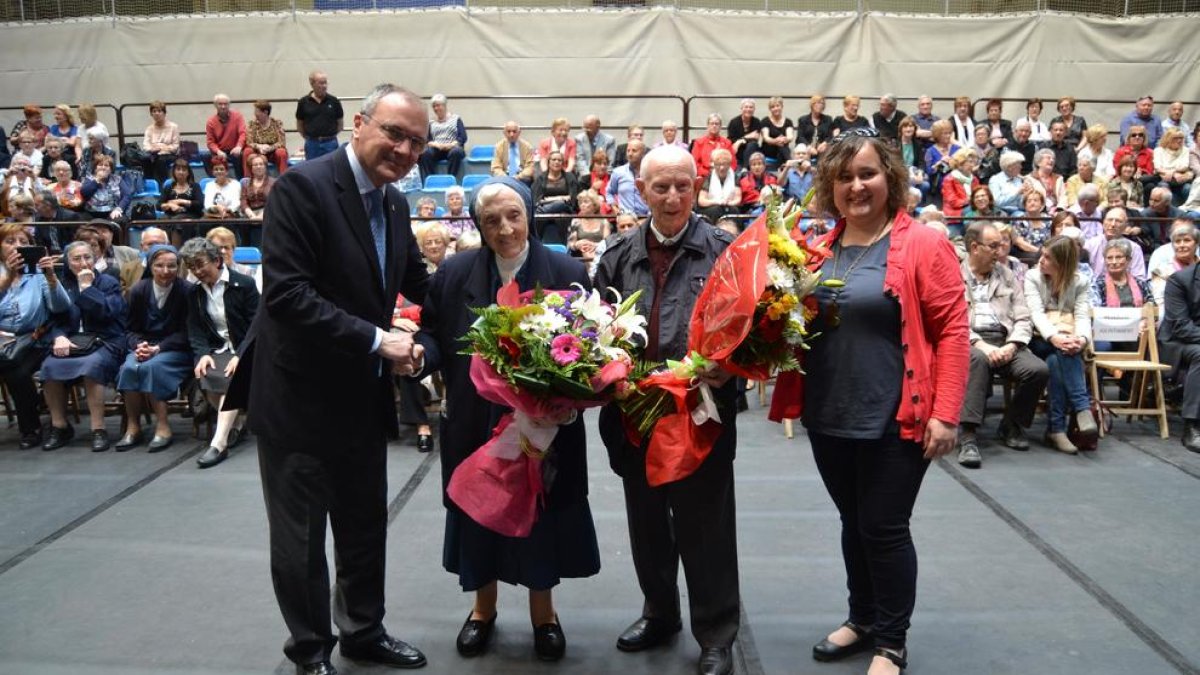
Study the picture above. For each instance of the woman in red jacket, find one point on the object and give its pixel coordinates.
(753, 182)
(958, 186)
(884, 383)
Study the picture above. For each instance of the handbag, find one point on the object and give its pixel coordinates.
(14, 349)
(83, 344)
(1091, 440)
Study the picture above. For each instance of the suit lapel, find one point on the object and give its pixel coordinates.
(355, 214)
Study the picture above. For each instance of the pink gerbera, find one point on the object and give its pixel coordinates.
(565, 349)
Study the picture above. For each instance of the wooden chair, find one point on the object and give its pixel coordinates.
(1111, 324)
(788, 432)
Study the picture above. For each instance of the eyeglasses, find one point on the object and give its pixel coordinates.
(1137, 135)
(397, 135)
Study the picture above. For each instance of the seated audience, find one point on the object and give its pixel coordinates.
(554, 192)
(816, 128)
(1038, 131)
(1094, 148)
(559, 141)
(797, 175)
(1126, 179)
(1008, 187)
(633, 133)
(1143, 115)
(1031, 233)
(225, 133)
(105, 194)
(584, 233)
(1089, 209)
(961, 124)
(26, 148)
(414, 396)
(28, 298)
(1115, 221)
(1000, 333)
(1086, 176)
(222, 195)
(745, 132)
(265, 138)
(95, 146)
(46, 209)
(1066, 155)
(1171, 163)
(33, 124)
(703, 147)
(227, 242)
(1047, 181)
(753, 183)
(433, 240)
(19, 180)
(89, 122)
(981, 205)
(999, 130)
(54, 152)
(1143, 157)
(590, 141)
(159, 358)
(181, 198)
(1022, 144)
(425, 209)
(598, 176)
(161, 143)
(256, 186)
(1075, 124)
(457, 219)
(1173, 256)
(777, 132)
(1061, 311)
(957, 187)
(937, 156)
(447, 139)
(1174, 120)
(1160, 209)
(670, 135)
(221, 306)
(513, 155)
(622, 193)
(912, 151)
(719, 193)
(887, 118)
(88, 342)
(1015, 266)
(1180, 337)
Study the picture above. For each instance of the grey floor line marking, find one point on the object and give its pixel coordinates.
(1123, 614)
(101, 508)
(1165, 460)
(747, 661)
(398, 503)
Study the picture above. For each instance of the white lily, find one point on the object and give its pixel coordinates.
(543, 324)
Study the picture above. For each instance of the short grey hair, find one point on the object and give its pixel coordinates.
(1022, 123)
(1044, 152)
(200, 249)
(1086, 160)
(714, 116)
(1010, 157)
(426, 200)
(1089, 191)
(889, 98)
(974, 232)
(456, 190)
(1121, 244)
(98, 134)
(155, 232)
(373, 98)
(437, 99)
(60, 164)
(1184, 228)
(45, 194)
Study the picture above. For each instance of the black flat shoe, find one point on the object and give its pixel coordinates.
(321, 668)
(235, 437)
(160, 443)
(646, 633)
(549, 643)
(59, 436)
(128, 441)
(896, 656)
(425, 442)
(475, 635)
(827, 651)
(385, 650)
(31, 440)
(715, 661)
(212, 457)
(100, 441)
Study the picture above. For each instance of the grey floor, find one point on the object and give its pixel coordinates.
(1037, 563)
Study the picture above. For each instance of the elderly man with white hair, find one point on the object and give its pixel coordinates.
(225, 133)
(1085, 175)
(1008, 187)
(1089, 209)
(887, 119)
(588, 141)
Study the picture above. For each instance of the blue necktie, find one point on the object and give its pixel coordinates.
(378, 229)
(514, 159)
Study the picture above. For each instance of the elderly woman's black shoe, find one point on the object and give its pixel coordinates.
(548, 641)
(828, 651)
(32, 439)
(475, 635)
(896, 656)
(424, 442)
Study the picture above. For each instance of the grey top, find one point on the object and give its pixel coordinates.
(854, 370)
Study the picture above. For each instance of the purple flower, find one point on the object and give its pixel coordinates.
(565, 349)
(588, 334)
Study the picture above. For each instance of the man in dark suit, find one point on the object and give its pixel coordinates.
(337, 249)
(1180, 337)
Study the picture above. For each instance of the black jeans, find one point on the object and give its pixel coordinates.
(874, 484)
(19, 378)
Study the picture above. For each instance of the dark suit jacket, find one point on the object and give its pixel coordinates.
(313, 384)
(1181, 317)
(175, 336)
(466, 280)
(241, 302)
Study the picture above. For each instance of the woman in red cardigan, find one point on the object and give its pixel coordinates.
(884, 383)
(958, 186)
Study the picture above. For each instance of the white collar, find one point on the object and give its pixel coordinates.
(360, 174)
(664, 239)
(508, 268)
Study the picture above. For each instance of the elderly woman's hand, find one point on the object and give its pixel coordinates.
(86, 278)
(205, 364)
(14, 262)
(232, 367)
(939, 438)
(61, 346)
(46, 265)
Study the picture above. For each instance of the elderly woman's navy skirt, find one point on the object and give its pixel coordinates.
(159, 376)
(101, 365)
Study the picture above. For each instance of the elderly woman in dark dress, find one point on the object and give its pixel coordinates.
(159, 356)
(884, 384)
(88, 342)
(563, 541)
(26, 302)
(215, 337)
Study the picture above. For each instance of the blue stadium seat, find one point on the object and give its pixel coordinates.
(247, 255)
(472, 181)
(481, 154)
(439, 182)
(150, 189)
(204, 183)
(556, 247)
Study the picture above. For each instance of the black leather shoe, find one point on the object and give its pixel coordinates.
(1191, 437)
(212, 457)
(896, 656)
(321, 668)
(475, 634)
(160, 443)
(424, 442)
(32, 439)
(128, 441)
(386, 650)
(59, 436)
(549, 642)
(646, 633)
(716, 661)
(828, 651)
(235, 436)
(100, 441)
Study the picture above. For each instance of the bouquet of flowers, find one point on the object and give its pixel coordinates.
(546, 354)
(751, 318)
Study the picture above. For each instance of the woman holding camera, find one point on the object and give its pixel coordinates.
(88, 342)
(29, 294)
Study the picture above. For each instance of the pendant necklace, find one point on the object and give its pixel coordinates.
(834, 317)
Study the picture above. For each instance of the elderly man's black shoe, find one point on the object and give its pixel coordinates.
(1191, 437)
(321, 668)
(385, 650)
(475, 635)
(716, 661)
(828, 651)
(646, 633)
